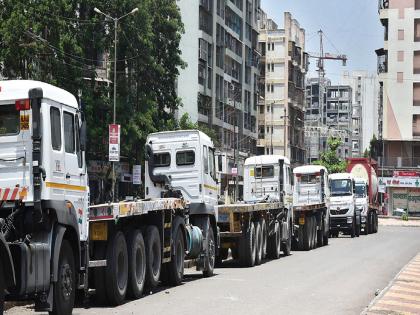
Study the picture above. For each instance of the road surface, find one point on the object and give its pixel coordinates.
(341, 278)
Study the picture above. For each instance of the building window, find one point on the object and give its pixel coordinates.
(416, 62)
(400, 56)
(416, 125)
(416, 94)
(272, 67)
(417, 4)
(400, 34)
(400, 77)
(417, 30)
(272, 88)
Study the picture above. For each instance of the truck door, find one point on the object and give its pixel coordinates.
(75, 175)
(209, 176)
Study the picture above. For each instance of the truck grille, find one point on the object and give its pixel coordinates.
(337, 212)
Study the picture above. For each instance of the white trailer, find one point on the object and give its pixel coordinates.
(261, 225)
(51, 240)
(311, 207)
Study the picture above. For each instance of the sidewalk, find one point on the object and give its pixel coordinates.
(402, 296)
(398, 222)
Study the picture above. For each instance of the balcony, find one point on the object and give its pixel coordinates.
(394, 162)
(383, 4)
(382, 60)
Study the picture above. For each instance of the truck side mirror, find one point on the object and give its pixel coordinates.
(83, 136)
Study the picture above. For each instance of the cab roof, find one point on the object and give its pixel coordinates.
(341, 176)
(19, 89)
(180, 135)
(266, 160)
(309, 169)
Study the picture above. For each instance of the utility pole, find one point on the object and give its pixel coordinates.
(114, 116)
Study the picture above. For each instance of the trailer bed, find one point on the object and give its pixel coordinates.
(310, 207)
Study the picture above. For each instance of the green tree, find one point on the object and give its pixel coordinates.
(366, 154)
(330, 159)
(63, 42)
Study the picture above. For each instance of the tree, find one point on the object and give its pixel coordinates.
(63, 42)
(330, 159)
(366, 154)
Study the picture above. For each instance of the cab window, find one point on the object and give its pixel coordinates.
(264, 172)
(79, 152)
(185, 158)
(162, 159)
(9, 120)
(206, 159)
(212, 165)
(69, 134)
(55, 117)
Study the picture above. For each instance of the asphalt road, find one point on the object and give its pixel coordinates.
(341, 278)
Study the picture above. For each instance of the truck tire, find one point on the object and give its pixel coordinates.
(274, 243)
(353, 229)
(314, 233)
(307, 234)
(286, 246)
(136, 264)
(64, 290)
(175, 268)
(153, 257)
(2, 288)
(358, 230)
(375, 223)
(258, 241)
(326, 235)
(320, 234)
(210, 259)
(264, 238)
(116, 276)
(247, 250)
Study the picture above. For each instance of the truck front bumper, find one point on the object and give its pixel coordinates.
(341, 223)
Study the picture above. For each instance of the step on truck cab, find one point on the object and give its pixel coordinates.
(343, 216)
(261, 225)
(311, 207)
(43, 195)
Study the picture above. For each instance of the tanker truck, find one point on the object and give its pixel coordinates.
(366, 183)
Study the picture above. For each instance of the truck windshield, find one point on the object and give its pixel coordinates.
(360, 191)
(309, 179)
(9, 120)
(341, 187)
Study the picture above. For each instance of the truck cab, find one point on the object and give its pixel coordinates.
(44, 193)
(343, 204)
(362, 199)
(268, 177)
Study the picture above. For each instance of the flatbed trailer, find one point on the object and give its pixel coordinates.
(254, 231)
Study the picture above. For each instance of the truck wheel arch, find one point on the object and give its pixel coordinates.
(7, 263)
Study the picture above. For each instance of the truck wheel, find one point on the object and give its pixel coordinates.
(314, 233)
(116, 276)
(259, 241)
(210, 259)
(64, 291)
(326, 234)
(320, 234)
(358, 230)
(287, 245)
(353, 229)
(175, 268)
(2, 288)
(247, 249)
(307, 233)
(375, 224)
(264, 238)
(274, 243)
(136, 264)
(153, 257)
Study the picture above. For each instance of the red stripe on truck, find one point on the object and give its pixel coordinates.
(6, 193)
(15, 191)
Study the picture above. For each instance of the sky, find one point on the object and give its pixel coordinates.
(350, 27)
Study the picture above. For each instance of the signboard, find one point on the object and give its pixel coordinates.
(234, 171)
(136, 174)
(406, 174)
(403, 182)
(114, 143)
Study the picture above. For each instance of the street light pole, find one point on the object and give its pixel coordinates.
(114, 116)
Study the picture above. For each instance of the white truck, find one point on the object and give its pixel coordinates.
(52, 243)
(343, 216)
(262, 225)
(311, 207)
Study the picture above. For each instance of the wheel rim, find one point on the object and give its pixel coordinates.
(66, 281)
(120, 271)
(211, 251)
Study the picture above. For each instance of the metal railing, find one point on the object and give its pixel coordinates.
(400, 162)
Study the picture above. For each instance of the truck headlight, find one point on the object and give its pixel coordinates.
(349, 219)
(363, 219)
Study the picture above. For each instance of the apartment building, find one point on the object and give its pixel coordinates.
(283, 66)
(399, 79)
(219, 85)
(365, 87)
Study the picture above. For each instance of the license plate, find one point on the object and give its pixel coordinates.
(224, 217)
(302, 221)
(99, 231)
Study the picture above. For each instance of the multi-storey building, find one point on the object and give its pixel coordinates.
(284, 64)
(399, 79)
(365, 108)
(219, 85)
